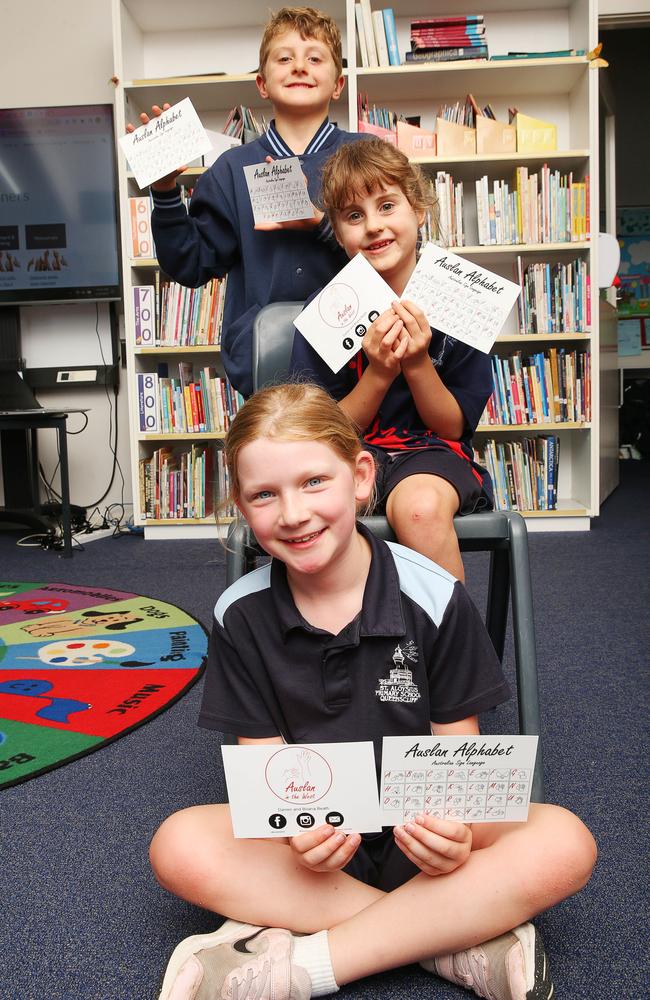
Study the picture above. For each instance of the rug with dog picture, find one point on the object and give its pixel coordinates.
(81, 666)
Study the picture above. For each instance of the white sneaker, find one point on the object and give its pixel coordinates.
(513, 966)
(236, 962)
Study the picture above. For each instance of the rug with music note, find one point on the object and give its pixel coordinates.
(81, 666)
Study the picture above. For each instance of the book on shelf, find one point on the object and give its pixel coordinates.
(369, 31)
(142, 244)
(555, 298)
(177, 483)
(391, 36)
(361, 35)
(194, 402)
(380, 37)
(524, 472)
(550, 54)
(182, 317)
(552, 386)
(448, 39)
(453, 54)
(449, 196)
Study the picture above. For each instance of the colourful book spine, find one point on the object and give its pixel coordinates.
(391, 36)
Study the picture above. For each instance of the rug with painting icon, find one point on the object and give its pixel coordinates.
(81, 666)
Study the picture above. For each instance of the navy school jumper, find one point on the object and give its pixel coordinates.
(217, 237)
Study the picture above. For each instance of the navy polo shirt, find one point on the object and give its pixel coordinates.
(417, 652)
(217, 237)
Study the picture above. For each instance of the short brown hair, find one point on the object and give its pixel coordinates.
(364, 166)
(295, 411)
(309, 23)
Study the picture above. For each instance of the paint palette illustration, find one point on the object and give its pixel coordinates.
(80, 666)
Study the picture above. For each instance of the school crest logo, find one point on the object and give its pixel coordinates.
(399, 686)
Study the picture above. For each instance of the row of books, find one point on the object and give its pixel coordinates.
(524, 473)
(376, 35)
(190, 404)
(177, 483)
(555, 298)
(242, 124)
(552, 386)
(547, 207)
(449, 230)
(447, 39)
(170, 315)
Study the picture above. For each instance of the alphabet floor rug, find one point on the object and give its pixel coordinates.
(81, 666)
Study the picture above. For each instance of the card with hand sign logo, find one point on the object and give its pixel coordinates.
(336, 321)
(282, 790)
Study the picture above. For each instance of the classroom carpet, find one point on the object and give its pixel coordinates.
(81, 666)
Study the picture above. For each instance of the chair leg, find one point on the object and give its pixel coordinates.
(523, 625)
(496, 615)
(237, 563)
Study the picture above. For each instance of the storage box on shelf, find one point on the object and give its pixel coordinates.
(152, 66)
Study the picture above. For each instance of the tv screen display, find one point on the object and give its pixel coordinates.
(58, 205)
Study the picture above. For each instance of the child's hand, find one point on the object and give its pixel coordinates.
(324, 849)
(419, 334)
(311, 223)
(385, 344)
(167, 183)
(436, 846)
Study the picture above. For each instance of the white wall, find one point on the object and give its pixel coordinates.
(62, 53)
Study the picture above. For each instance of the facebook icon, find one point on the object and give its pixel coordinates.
(277, 821)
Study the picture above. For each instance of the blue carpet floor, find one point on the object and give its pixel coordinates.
(83, 918)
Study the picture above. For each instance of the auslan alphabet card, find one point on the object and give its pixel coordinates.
(459, 298)
(281, 790)
(278, 191)
(336, 321)
(474, 779)
(167, 142)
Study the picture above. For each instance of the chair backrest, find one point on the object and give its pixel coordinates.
(273, 332)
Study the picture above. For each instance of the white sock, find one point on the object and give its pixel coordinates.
(312, 953)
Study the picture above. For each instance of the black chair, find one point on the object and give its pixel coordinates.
(501, 533)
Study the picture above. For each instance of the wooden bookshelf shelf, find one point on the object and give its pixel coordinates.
(530, 77)
(495, 250)
(198, 437)
(160, 521)
(175, 349)
(536, 338)
(563, 425)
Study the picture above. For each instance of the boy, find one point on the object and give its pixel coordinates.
(300, 73)
(416, 394)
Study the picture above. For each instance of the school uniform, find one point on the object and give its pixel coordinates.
(417, 652)
(402, 445)
(217, 237)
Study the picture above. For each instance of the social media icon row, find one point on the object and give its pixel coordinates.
(278, 822)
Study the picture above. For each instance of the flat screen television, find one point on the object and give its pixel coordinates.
(59, 236)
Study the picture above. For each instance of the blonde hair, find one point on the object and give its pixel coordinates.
(309, 23)
(290, 412)
(362, 167)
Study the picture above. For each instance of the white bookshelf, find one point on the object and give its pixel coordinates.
(208, 51)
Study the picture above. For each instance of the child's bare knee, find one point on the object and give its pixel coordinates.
(176, 850)
(568, 861)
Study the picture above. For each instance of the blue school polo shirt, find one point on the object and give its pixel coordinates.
(418, 651)
(217, 237)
